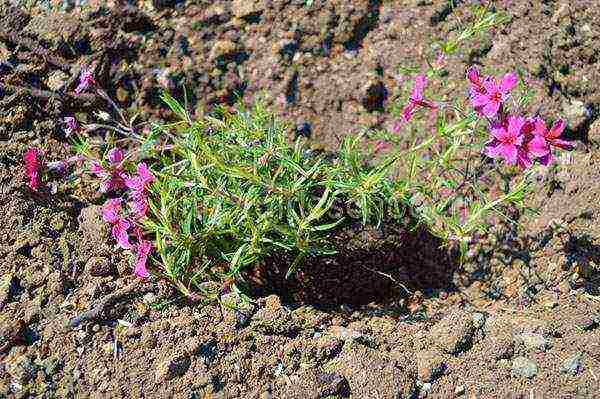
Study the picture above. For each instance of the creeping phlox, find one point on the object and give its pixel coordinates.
(115, 181)
(516, 139)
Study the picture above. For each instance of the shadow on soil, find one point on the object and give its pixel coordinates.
(371, 268)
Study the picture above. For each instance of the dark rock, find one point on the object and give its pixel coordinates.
(161, 4)
(99, 266)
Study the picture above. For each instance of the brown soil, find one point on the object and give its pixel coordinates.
(521, 319)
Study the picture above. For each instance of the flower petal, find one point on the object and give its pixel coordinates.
(480, 100)
(474, 76)
(509, 81)
(420, 83)
(120, 234)
(538, 147)
(115, 156)
(509, 153)
(491, 109)
(557, 129)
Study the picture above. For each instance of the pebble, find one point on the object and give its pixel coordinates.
(174, 366)
(459, 390)
(524, 367)
(572, 365)
(535, 342)
(454, 333)
(430, 365)
(478, 320)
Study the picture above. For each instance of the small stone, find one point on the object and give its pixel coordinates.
(149, 298)
(98, 266)
(460, 390)
(523, 367)
(454, 333)
(430, 365)
(222, 49)
(246, 8)
(478, 320)
(572, 365)
(535, 342)
(236, 310)
(576, 113)
(172, 367)
(108, 348)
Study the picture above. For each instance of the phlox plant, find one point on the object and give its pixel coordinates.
(207, 198)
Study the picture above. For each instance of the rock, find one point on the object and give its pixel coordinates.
(176, 365)
(370, 375)
(273, 318)
(454, 333)
(478, 319)
(576, 113)
(99, 266)
(21, 369)
(523, 367)
(460, 390)
(149, 298)
(430, 365)
(572, 365)
(246, 8)
(313, 384)
(535, 342)
(222, 49)
(348, 334)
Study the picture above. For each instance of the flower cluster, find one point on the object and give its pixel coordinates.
(115, 179)
(516, 139)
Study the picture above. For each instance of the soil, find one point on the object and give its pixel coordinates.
(521, 319)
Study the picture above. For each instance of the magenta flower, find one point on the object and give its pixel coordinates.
(544, 139)
(138, 185)
(507, 142)
(33, 164)
(110, 210)
(119, 231)
(488, 95)
(143, 249)
(416, 99)
(86, 79)
(113, 178)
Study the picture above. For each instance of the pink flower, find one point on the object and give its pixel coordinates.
(138, 186)
(119, 231)
(143, 249)
(33, 164)
(71, 126)
(86, 79)
(110, 210)
(416, 99)
(488, 95)
(113, 178)
(507, 142)
(544, 138)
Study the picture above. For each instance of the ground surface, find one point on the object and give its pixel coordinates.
(521, 319)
